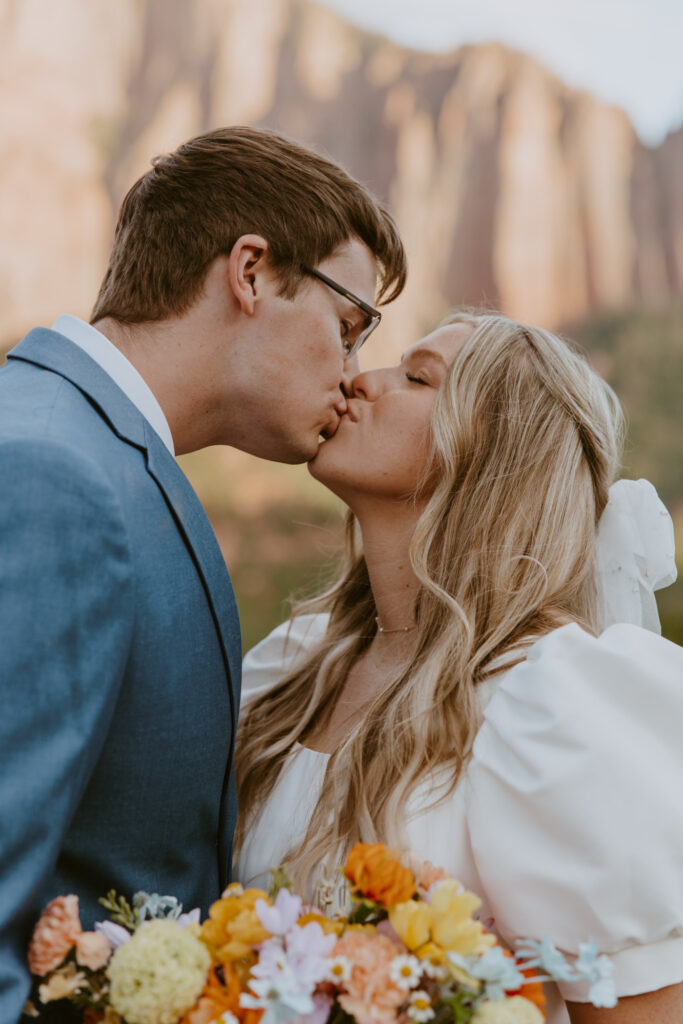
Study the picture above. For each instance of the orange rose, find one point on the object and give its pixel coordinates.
(54, 935)
(218, 998)
(375, 873)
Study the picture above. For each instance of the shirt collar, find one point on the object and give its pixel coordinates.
(120, 369)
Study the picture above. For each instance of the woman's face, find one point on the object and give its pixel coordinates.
(381, 444)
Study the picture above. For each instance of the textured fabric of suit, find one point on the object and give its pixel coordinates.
(119, 657)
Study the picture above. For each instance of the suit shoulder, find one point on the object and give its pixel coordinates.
(43, 467)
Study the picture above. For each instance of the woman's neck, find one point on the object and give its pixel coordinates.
(386, 547)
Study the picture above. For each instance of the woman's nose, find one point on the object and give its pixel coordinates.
(350, 371)
(373, 383)
(367, 385)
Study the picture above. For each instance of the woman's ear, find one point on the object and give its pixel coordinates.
(247, 263)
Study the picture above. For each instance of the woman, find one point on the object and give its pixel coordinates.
(455, 696)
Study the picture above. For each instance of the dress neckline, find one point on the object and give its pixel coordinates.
(299, 746)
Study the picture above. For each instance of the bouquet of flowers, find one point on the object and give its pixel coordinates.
(410, 951)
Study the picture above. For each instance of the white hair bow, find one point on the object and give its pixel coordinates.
(635, 554)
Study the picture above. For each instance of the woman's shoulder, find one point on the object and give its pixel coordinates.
(579, 697)
(279, 653)
(575, 673)
(574, 793)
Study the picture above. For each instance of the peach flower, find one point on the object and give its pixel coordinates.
(371, 996)
(54, 935)
(426, 874)
(62, 984)
(92, 950)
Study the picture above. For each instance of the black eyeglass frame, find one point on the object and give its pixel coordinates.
(374, 314)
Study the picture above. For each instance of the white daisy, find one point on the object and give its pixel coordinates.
(420, 1009)
(338, 970)
(405, 971)
(438, 972)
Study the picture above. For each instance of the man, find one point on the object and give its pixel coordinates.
(239, 285)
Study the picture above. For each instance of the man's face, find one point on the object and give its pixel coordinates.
(296, 365)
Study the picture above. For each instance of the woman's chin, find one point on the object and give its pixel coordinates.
(321, 465)
(326, 469)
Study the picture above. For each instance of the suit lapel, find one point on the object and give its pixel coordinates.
(52, 351)
(194, 525)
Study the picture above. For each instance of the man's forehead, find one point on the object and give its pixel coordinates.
(353, 266)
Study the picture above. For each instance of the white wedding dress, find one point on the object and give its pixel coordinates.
(568, 821)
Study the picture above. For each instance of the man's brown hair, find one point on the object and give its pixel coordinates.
(195, 203)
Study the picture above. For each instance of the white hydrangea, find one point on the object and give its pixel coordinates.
(158, 975)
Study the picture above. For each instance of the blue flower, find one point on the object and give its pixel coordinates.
(498, 972)
(598, 971)
(543, 954)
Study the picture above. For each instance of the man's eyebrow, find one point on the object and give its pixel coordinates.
(429, 353)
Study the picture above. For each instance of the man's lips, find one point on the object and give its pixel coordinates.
(331, 428)
(350, 414)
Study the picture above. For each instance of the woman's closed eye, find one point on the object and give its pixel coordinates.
(415, 378)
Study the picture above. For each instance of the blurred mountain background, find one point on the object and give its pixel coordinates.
(510, 188)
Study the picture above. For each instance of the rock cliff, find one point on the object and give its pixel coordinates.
(509, 187)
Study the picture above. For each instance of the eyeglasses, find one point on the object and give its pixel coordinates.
(358, 333)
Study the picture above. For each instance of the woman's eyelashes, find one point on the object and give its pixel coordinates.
(416, 379)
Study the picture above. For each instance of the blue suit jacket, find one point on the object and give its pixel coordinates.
(119, 657)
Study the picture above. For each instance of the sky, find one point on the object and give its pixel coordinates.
(627, 52)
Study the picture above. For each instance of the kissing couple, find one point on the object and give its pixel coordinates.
(484, 684)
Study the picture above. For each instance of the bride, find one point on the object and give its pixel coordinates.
(456, 692)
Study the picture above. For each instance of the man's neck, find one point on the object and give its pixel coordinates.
(161, 353)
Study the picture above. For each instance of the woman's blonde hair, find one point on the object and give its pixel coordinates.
(525, 442)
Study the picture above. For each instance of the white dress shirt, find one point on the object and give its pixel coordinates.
(121, 371)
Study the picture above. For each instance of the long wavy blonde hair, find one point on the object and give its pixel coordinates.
(525, 442)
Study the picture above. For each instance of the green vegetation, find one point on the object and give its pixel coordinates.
(641, 355)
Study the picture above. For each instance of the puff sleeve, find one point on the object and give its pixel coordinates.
(274, 657)
(575, 801)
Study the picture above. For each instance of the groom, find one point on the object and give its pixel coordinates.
(240, 284)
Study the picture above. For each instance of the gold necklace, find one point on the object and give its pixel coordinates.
(401, 629)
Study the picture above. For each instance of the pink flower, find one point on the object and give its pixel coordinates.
(92, 950)
(282, 915)
(426, 874)
(371, 996)
(54, 935)
(320, 1014)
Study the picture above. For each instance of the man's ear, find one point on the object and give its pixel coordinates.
(247, 261)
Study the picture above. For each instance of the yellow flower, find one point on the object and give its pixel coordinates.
(452, 925)
(412, 922)
(328, 926)
(233, 927)
(430, 951)
(158, 975)
(515, 1010)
